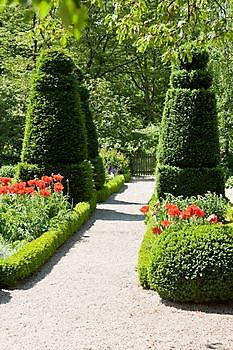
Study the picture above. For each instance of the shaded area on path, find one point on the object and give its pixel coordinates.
(5, 297)
(213, 308)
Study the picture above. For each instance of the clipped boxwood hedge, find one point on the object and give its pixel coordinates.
(188, 181)
(144, 258)
(194, 263)
(35, 253)
(110, 187)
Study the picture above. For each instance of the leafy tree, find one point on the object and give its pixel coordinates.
(160, 22)
(73, 13)
(16, 63)
(169, 24)
(188, 152)
(140, 77)
(222, 67)
(112, 116)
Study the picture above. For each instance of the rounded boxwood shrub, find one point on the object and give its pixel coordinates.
(55, 137)
(194, 263)
(188, 142)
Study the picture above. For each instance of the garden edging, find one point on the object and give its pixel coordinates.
(31, 257)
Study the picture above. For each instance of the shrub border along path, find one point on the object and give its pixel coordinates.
(34, 254)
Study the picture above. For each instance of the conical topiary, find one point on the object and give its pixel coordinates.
(188, 150)
(55, 137)
(92, 140)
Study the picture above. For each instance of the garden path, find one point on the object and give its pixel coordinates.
(87, 296)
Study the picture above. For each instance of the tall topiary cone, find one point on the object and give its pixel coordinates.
(55, 137)
(188, 150)
(92, 140)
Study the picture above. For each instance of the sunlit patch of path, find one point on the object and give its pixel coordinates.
(87, 296)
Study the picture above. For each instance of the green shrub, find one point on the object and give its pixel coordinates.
(8, 170)
(115, 159)
(110, 187)
(188, 181)
(144, 257)
(55, 135)
(194, 79)
(98, 172)
(25, 171)
(229, 183)
(188, 151)
(92, 140)
(193, 264)
(227, 165)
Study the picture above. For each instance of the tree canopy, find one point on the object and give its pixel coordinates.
(161, 23)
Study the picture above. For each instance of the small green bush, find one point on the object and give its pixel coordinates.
(229, 183)
(8, 170)
(25, 171)
(194, 79)
(98, 172)
(227, 165)
(115, 159)
(193, 264)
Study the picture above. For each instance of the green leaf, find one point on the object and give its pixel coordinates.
(63, 41)
(42, 7)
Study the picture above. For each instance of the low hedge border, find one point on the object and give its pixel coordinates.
(144, 258)
(111, 187)
(35, 253)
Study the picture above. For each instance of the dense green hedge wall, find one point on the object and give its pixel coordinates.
(189, 181)
(92, 141)
(189, 132)
(194, 263)
(55, 135)
(190, 137)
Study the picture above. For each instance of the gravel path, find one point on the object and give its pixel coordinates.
(87, 296)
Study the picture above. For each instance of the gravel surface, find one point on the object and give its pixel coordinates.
(87, 296)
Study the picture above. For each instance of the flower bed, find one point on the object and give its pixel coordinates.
(187, 252)
(28, 209)
(27, 256)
